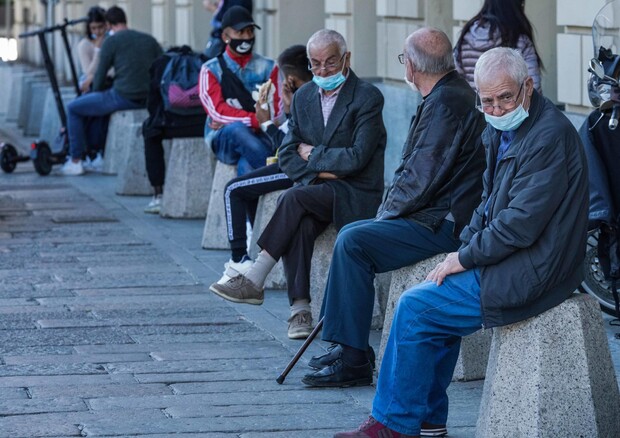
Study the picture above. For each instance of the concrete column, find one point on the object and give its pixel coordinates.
(357, 22)
(285, 23)
(139, 14)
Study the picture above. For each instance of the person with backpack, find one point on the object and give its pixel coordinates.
(226, 85)
(174, 110)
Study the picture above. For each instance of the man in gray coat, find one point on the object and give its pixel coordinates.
(334, 151)
(521, 253)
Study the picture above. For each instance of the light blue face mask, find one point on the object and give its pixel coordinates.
(509, 121)
(330, 82)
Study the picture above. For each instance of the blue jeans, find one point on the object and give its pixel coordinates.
(362, 249)
(87, 106)
(237, 144)
(422, 351)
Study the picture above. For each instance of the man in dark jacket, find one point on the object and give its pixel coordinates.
(521, 254)
(334, 153)
(436, 187)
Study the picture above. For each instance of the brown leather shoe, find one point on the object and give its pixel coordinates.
(371, 428)
(239, 290)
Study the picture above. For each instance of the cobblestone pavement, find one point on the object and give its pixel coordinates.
(107, 328)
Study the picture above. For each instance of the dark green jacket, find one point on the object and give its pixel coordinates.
(131, 53)
(530, 249)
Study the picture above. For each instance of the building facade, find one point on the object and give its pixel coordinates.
(374, 29)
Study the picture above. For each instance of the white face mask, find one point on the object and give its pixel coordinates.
(411, 84)
(509, 121)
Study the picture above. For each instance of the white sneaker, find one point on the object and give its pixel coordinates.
(232, 269)
(72, 169)
(154, 206)
(96, 165)
(87, 164)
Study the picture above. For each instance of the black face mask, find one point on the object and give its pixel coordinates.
(242, 46)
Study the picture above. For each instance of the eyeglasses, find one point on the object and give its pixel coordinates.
(506, 102)
(401, 58)
(328, 66)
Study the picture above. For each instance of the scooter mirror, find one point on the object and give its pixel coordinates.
(597, 68)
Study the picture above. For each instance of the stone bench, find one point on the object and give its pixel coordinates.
(472, 361)
(551, 376)
(8, 71)
(37, 106)
(117, 143)
(131, 177)
(321, 261)
(50, 119)
(29, 101)
(215, 235)
(189, 175)
(266, 206)
(18, 83)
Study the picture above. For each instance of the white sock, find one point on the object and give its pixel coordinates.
(260, 269)
(300, 305)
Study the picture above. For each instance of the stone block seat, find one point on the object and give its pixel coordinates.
(472, 361)
(266, 206)
(50, 119)
(189, 175)
(121, 136)
(35, 115)
(19, 82)
(215, 235)
(551, 376)
(321, 261)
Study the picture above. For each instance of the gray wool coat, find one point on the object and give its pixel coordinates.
(351, 145)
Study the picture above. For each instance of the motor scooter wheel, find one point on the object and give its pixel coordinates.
(43, 159)
(594, 282)
(8, 157)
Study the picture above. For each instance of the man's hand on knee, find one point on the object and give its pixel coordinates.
(449, 266)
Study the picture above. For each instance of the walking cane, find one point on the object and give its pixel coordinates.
(300, 352)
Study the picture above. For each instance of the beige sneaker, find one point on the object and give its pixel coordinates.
(300, 325)
(239, 290)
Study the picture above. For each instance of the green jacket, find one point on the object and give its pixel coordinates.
(131, 53)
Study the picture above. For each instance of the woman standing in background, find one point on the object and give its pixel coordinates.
(88, 47)
(500, 23)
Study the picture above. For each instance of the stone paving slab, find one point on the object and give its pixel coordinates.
(76, 358)
(94, 390)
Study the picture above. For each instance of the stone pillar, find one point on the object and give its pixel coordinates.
(357, 22)
(214, 234)
(551, 376)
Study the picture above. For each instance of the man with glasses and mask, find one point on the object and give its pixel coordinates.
(226, 85)
(334, 152)
(521, 254)
(434, 191)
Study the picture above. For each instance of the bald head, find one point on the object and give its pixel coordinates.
(430, 51)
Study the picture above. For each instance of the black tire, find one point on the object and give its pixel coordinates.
(43, 161)
(7, 158)
(594, 282)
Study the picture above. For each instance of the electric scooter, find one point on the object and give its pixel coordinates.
(43, 154)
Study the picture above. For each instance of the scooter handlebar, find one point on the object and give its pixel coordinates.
(54, 28)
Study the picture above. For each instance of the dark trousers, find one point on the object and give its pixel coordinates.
(362, 249)
(154, 150)
(241, 198)
(303, 212)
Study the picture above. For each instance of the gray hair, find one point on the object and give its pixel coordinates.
(430, 51)
(325, 38)
(500, 60)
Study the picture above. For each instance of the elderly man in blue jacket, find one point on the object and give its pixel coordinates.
(521, 254)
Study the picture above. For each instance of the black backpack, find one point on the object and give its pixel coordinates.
(179, 82)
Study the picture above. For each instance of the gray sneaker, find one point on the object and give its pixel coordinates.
(239, 290)
(300, 325)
